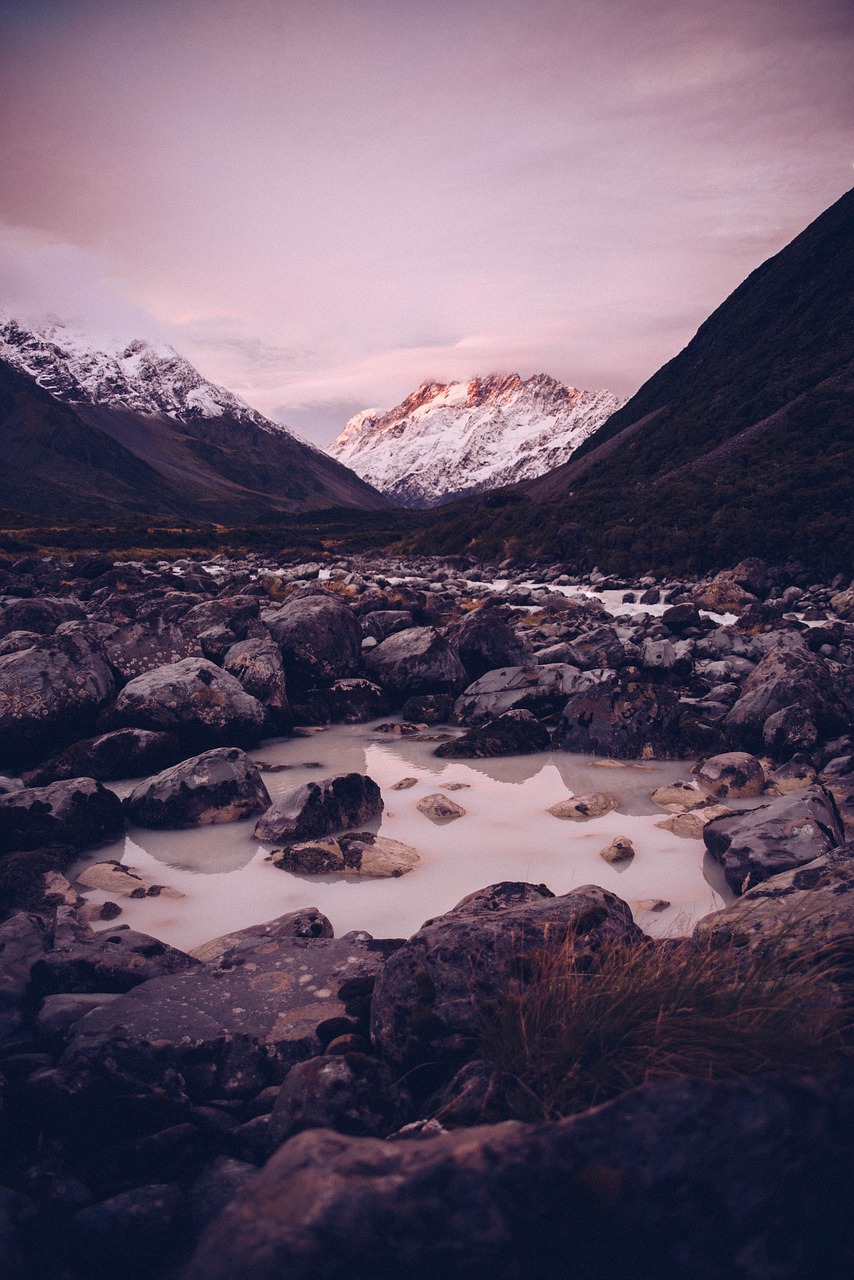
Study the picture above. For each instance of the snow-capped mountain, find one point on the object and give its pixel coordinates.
(445, 440)
(142, 376)
(138, 432)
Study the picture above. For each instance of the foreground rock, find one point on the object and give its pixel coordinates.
(620, 716)
(734, 774)
(80, 814)
(321, 808)
(416, 662)
(809, 909)
(514, 733)
(234, 1029)
(753, 844)
(429, 1000)
(320, 639)
(222, 785)
(126, 753)
(203, 705)
(517, 1202)
(258, 665)
(788, 704)
(543, 690)
(359, 853)
(50, 694)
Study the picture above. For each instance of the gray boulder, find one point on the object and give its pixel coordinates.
(143, 645)
(797, 687)
(114, 960)
(320, 639)
(50, 693)
(321, 808)
(222, 785)
(415, 662)
(258, 665)
(431, 997)
(204, 706)
(621, 716)
(79, 814)
(352, 1094)
(514, 733)
(233, 1029)
(734, 774)
(543, 690)
(125, 753)
(753, 844)
(484, 641)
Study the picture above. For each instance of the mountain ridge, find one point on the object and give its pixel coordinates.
(464, 437)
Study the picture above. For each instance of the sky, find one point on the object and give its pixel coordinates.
(325, 203)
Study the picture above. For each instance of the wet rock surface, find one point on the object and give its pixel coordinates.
(354, 854)
(319, 808)
(789, 832)
(222, 785)
(80, 814)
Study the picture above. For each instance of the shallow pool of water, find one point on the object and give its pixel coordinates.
(506, 834)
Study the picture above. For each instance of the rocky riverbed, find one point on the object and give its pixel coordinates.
(234, 791)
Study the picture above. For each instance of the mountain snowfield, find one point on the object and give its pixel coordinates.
(142, 376)
(446, 440)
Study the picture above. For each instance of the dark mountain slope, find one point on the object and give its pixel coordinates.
(742, 444)
(84, 461)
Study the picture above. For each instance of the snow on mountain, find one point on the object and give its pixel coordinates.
(142, 376)
(447, 440)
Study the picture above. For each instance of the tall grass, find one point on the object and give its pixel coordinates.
(572, 1035)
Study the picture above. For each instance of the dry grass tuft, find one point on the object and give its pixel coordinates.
(572, 1036)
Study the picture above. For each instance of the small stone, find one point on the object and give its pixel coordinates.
(112, 877)
(439, 808)
(404, 784)
(456, 786)
(649, 905)
(683, 794)
(58, 890)
(620, 849)
(593, 804)
(691, 824)
(734, 773)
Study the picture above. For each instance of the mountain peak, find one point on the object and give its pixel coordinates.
(143, 376)
(446, 439)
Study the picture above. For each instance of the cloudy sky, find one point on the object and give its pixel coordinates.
(323, 203)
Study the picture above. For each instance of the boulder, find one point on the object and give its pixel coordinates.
(598, 648)
(353, 1094)
(484, 642)
(258, 665)
(359, 853)
(125, 753)
(222, 785)
(734, 774)
(232, 613)
(236, 948)
(432, 994)
(115, 960)
(320, 639)
(23, 940)
(593, 804)
(382, 623)
(321, 808)
(39, 615)
(233, 1029)
(50, 693)
(355, 701)
(79, 814)
(143, 645)
(803, 910)
(439, 808)
(759, 1182)
(129, 1233)
(722, 595)
(204, 706)
(415, 662)
(432, 708)
(543, 690)
(753, 844)
(620, 716)
(514, 733)
(116, 878)
(793, 681)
